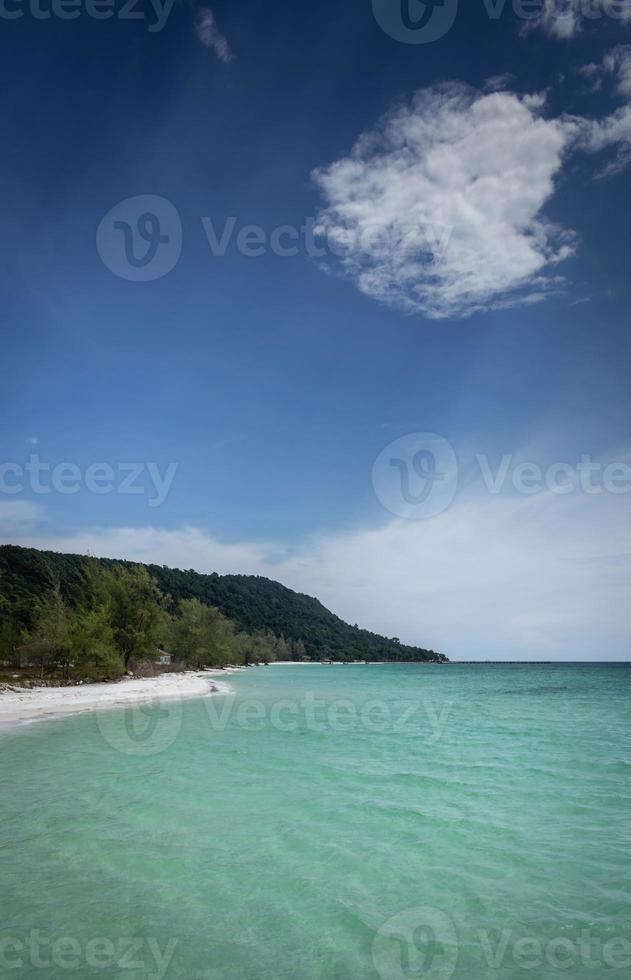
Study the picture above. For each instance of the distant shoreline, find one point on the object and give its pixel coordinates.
(351, 663)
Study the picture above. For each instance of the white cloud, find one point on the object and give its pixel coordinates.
(498, 82)
(18, 516)
(614, 131)
(209, 35)
(439, 209)
(617, 62)
(565, 19)
(593, 72)
(561, 18)
(502, 577)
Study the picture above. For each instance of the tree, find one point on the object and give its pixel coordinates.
(202, 637)
(135, 610)
(298, 650)
(48, 643)
(92, 643)
(256, 648)
(11, 636)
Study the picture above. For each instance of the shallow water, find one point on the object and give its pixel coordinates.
(328, 822)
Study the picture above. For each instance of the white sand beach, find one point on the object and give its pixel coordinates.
(18, 706)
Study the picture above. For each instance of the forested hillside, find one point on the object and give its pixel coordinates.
(254, 604)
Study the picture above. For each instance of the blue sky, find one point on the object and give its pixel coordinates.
(471, 197)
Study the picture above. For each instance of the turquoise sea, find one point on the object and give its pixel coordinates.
(327, 822)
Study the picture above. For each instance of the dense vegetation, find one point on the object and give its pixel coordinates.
(100, 617)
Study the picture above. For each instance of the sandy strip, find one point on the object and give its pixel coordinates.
(44, 703)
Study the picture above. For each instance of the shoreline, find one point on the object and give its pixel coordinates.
(27, 705)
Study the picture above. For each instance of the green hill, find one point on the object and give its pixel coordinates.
(254, 603)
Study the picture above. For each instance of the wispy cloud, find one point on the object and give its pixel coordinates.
(493, 576)
(565, 19)
(19, 516)
(498, 82)
(614, 130)
(439, 209)
(617, 65)
(210, 36)
(560, 18)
